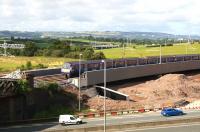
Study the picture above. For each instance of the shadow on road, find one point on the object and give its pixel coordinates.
(28, 127)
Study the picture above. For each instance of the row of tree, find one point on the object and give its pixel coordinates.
(56, 48)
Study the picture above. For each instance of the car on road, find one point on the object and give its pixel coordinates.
(171, 112)
(69, 119)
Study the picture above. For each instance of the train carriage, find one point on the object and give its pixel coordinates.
(71, 69)
(142, 61)
(195, 57)
(119, 63)
(179, 58)
(171, 59)
(153, 60)
(94, 65)
(132, 62)
(109, 64)
(187, 58)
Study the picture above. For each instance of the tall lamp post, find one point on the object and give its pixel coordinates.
(186, 48)
(160, 54)
(104, 95)
(79, 84)
(188, 44)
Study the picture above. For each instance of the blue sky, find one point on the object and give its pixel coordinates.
(170, 16)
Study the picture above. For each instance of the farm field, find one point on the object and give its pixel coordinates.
(8, 64)
(142, 51)
(12, 63)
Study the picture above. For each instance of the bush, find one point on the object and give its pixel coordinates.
(54, 111)
(74, 55)
(39, 52)
(29, 65)
(98, 56)
(88, 53)
(52, 87)
(57, 53)
(22, 68)
(23, 87)
(49, 86)
(39, 66)
(47, 52)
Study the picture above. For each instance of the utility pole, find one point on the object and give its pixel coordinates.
(6, 46)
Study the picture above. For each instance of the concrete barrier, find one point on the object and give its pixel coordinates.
(115, 113)
(192, 105)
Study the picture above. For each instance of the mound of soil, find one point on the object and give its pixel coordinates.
(97, 103)
(161, 92)
(164, 91)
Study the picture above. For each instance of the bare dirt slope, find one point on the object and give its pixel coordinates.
(155, 93)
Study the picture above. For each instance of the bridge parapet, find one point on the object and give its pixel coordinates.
(123, 73)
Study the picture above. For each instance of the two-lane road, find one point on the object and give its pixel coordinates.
(151, 116)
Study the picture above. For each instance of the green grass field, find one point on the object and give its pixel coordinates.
(12, 63)
(142, 51)
(8, 64)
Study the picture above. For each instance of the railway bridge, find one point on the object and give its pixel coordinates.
(95, 77)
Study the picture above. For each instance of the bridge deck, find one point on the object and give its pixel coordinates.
(115, 74)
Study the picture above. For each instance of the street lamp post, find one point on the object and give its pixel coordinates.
(123, 51)
(79, 83)
(186, 48)
(161, 53)
(187, 44)
(104, 95)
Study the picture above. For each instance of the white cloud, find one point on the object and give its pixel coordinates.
(173, 16)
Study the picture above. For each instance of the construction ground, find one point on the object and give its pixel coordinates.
(161, 92)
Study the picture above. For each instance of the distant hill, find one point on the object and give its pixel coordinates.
(8, 34)
(106, 34)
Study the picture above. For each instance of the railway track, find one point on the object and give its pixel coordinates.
(56, 78)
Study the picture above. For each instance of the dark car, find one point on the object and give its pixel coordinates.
(171, 112)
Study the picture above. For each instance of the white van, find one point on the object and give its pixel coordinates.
(69, 119)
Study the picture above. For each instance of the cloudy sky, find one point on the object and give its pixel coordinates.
(170, 16)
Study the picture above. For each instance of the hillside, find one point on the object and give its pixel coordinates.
(105, 34)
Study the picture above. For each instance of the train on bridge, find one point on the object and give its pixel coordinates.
(71, 69)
